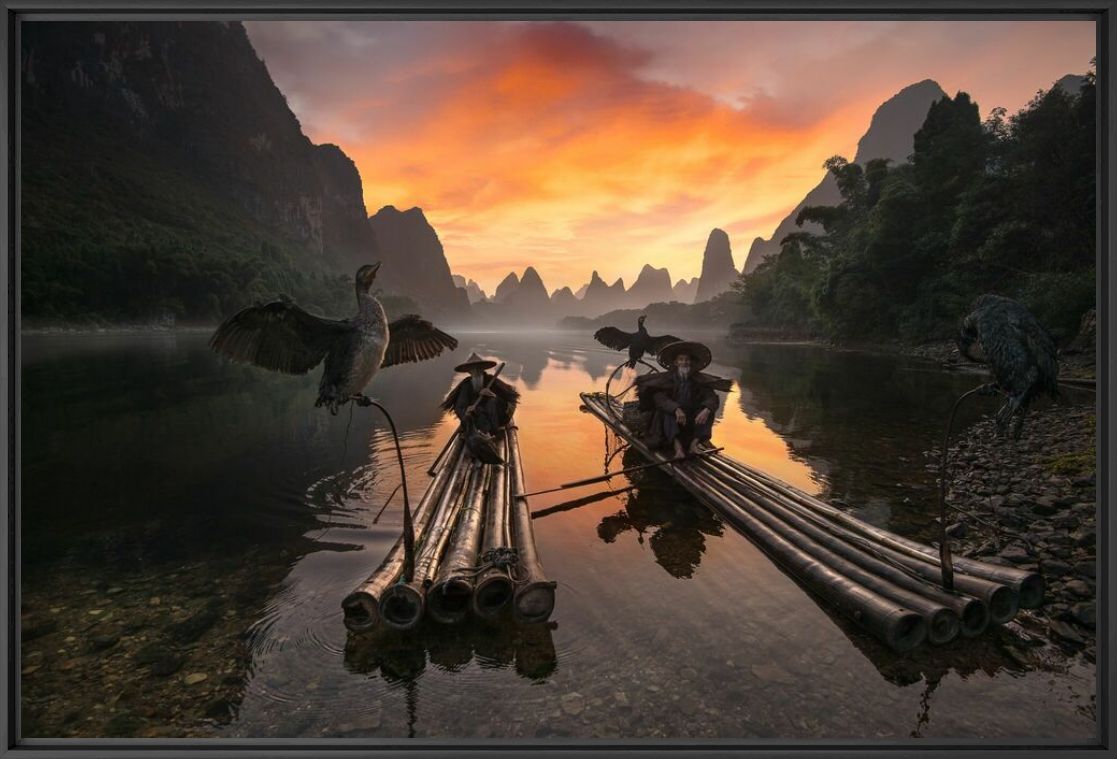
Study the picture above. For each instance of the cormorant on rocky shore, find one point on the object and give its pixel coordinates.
(284, 338)
(639, 343)
(1020, 354)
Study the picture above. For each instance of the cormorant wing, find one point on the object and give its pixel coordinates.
(279, 336)
(659, 343)
(1017, 348)
(412, 338)
(611, 337)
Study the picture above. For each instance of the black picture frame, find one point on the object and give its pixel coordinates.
(1103, 11)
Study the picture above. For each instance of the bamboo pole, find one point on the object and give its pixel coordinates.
(402, 604)
(449, 597)
(535, 594)
(494, 589)
(362, 607)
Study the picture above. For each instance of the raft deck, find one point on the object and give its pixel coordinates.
(887, 584)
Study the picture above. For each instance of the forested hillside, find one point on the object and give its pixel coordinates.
(1006, 205)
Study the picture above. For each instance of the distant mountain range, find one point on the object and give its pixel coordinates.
(524, 299)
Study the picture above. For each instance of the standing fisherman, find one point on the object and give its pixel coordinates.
(495, 404)
(682, 399)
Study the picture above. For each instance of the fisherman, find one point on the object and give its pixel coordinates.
(495, 404)
(682, 399)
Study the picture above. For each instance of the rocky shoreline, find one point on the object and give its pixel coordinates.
(1032, 503)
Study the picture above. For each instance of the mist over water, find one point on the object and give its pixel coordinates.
(143, 452)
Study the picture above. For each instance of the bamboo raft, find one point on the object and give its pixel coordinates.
(474, 550)
(886, 583)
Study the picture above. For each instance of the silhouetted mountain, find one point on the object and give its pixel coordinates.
(600, 297)
(506, 287)
(472, 289)
(651, 286)
(718, 272)
(564, 303)
(161, 161)
(684, 291)
(530, 296)
(889, 136)
(414, 263)
(1071, 83)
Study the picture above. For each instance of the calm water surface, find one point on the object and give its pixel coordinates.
(144, 451)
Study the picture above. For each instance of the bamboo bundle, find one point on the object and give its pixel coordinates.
(901, 628)
(801, 531)
(1027, 585)
(448, 598)
(402, 604)
(535, 594)
(362, 606)
(917, 574)
(939, 614)
(494, 587)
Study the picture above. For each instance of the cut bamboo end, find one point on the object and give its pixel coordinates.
(362, 612)
(906, 632)
(974, 617)
(448, 602)
(1003, 605)
(492, 595)
(535, 601)
(402, 606)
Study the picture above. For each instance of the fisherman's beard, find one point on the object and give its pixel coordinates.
(477, 380)
(684, 372)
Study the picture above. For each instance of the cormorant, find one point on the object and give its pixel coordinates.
(639, 343)
(1019, 351)
(284, 338)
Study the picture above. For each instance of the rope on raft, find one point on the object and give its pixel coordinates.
(501, 557)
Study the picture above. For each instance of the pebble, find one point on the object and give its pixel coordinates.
(1065, 631)
(1086, 569)
(573, 703)
(1079, 588)
(195, 677)
(773, 673)
(1084, 613)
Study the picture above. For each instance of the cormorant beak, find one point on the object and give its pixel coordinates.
(369, 275)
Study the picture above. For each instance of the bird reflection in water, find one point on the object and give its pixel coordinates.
(402, 656)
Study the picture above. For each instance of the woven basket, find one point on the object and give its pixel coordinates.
(633, 417)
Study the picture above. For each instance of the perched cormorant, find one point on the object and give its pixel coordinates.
(284, 338)
(1019, 351)
(639, 343)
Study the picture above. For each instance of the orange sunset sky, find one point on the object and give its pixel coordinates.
(607, 145)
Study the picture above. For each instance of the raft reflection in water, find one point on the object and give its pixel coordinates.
(402, 656)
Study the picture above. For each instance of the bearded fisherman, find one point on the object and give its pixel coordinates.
(682, 399)
(491, 415)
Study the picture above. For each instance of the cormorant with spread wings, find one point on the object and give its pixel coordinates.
(284, 338)
(638, 343)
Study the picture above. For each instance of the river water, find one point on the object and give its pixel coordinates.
(148, 457)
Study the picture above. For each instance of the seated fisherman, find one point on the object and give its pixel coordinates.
(682, 399)
(497, 398)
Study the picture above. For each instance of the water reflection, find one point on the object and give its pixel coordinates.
(151, 465)
(674, 525)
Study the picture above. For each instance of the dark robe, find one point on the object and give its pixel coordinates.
(492, 413)
(662, 392)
